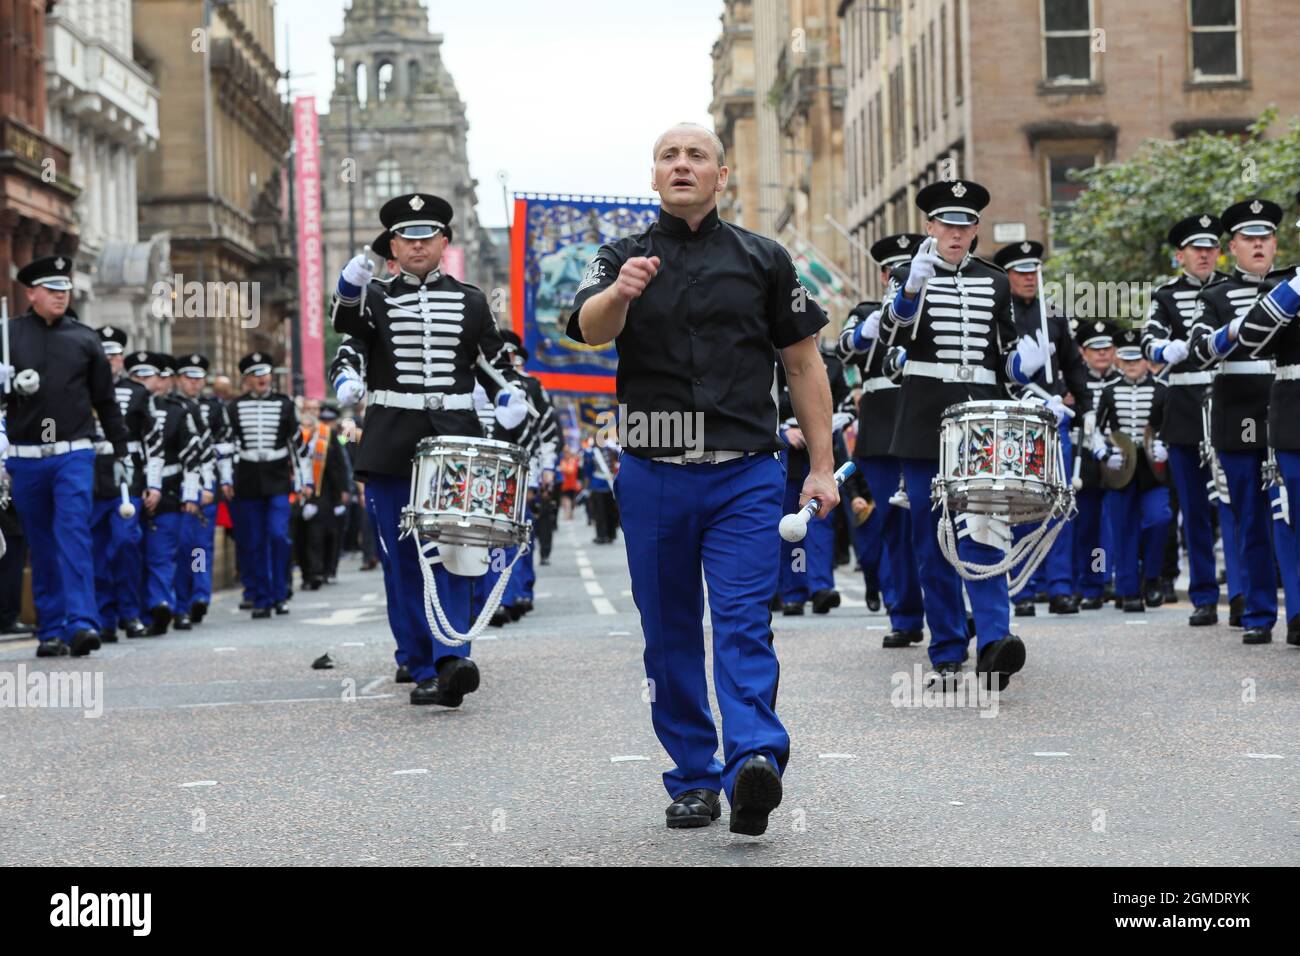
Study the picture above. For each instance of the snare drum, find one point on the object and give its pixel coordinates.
(1000, 458)
(468, 491)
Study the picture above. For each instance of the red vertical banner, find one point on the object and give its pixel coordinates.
(453, 262)
(311, 282)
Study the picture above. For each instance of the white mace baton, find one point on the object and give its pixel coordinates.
(794, 527)
(125, 509)
(4, 335)
(496, 376)
(1042, 321)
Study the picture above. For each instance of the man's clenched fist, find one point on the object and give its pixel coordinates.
(635, 276)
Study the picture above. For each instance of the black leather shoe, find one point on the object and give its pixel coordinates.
(52, 648)
(1003, 658)
(693, 809)
(183, 623)
(403, 675)
(246, 606)
(873, 600)
(945, 675)
(1025, 608)
(18, 627)
(1258, 635)
(1204, 616)
(756, 794)
(1293, 631)
(426, 692)
(198, 610)
(1090, 604)
(108, 635)
(902, 638)
(1153, 593)
(1236, 608)
(1169, 592)
(261, 613)
(85, 641)
(1040, 597)
(523, 606)
(500, 617)
(457, 676)
(792, 609)
(1062, 604)
(512, 612)
(1133, 605)
(823, 601)
(159, 619)
(282, 607)
(134, 628)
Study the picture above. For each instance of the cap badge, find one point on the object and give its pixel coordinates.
(194, 359)
(58, 263)
(108, 331)
(1100, 327)
(1205, 222)
(958, 190)
(1025, 247)
(902, 242)
(417, 203)
(1256, 207)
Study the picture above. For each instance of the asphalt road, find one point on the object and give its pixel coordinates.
(1126, 740)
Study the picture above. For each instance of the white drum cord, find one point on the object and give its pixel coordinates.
(441, 628)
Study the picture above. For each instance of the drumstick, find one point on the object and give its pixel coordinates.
(794, 527)
(125, 509)
(500, 379)
(1045, 394)
(1042, 320)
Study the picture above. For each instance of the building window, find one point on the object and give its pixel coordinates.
(958, 75)
(1067, 41)
(384, 81)
(362, 85)
(1216, 39)
(1062, 190)
(943, 61)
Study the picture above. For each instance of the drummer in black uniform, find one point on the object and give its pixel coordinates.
(421, 334)
(1067, 390)
(889, 528)
(959, 344)
(1165, 340)
(1092, 567)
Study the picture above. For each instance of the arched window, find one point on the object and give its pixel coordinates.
(362, 85)
(384, 76)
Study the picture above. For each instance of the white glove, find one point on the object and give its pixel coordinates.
(481, 399)
(309, 511)
(340, 511)
(512, 407)
(1033, 353)
(27, 382)
(868, 330)
(357, 272)
(1174, 352)
(1234, 328)
(922, 269)
(4, 444)
(1116, 460)
(1159, 453)
(6, 374)
(349, 388)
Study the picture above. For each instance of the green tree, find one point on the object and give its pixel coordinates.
(1115, 231)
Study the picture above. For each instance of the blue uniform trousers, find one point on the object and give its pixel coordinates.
(807, 566)
(1056, 574)
(1190, 479)
(1254, 547)
(1289, 465)
(1139, 527)
(386, 496)
(54, 499)
(1091, 568)
(262, 540)
(194, 559)
(941, 585)
(162, 541)
(891, 528)
(119, 569)
(721, 520)
(1284, 548)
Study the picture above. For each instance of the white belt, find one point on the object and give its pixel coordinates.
(106, 448)
(1191, 378)
(879, 384)
(419, 401)
(951, 373)
(52, 449)
(707, 458)
(264, 454)
(1288, 373)
(1258, 367)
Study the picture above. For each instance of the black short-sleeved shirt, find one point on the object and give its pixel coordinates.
(704, 335)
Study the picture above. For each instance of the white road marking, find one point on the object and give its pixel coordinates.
(875, 627)
(541, 594)
(594, 588)
(1051, 753)
(236, 703)
(627, 759)
(620, 633)
(199, 783)
(398, 773)
(837, 756)
(1265, 756)
(1136, 623)
(372, 684)
(587, 573)
(346, 617)
(369, 598)
(583, 561)
(221, 650)
(353, 644)
(955, 803)
(603, 606)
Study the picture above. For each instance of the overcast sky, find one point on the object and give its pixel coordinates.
(564, 95)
